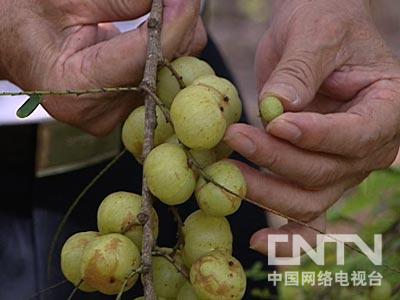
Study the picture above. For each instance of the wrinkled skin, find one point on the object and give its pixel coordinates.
(343, 82)
(58, 45)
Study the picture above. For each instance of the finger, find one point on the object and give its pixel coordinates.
(82, 12)
(197, 42)
(95, 114)
(309, 169)
(292, 201)
(260, 240)
(361, 130)
(120, 60)
(267, 57)
(300, 72)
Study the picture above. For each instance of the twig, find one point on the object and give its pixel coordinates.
(75, 290)
(72, 207)
(72, 92)
(179, 224)
(48, 289)
(158, 101)
(131, 274)
(149, 82)
(170, 258)
(275, 212)
(178, 77)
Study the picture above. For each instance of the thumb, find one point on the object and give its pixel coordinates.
(298, 75)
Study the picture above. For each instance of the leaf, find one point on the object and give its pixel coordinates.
(29, 106)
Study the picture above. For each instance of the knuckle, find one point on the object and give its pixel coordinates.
(299, 67)
(385, 161)
(370, 136)
(319, 174)
(334, 29)
(312, 211)
(270, 160)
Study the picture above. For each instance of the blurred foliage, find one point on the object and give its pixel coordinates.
(372, 208)
(256, 10)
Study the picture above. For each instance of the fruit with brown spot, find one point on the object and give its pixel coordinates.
(218, 276)
(118, 213)
(107, 261)
(71, 258)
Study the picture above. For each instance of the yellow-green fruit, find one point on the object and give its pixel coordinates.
(118, 214)
(167, 279)
(222, 151)
(198, 120)
(71, 258)
(382, 292)
(229, 99)
(270, 108)
(218, 276)
(168, 175)
(189, 68)
(214, 200)
(187, 293)
(133, 131)
(203, 158)
(107, 261)
(203, 234)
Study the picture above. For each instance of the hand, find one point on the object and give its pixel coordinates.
(60, 44)
(326, 61)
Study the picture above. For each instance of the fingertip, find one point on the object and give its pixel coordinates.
(258, 241)
(234, 130)
(285, 130)
(286, 93)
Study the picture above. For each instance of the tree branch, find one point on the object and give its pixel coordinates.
(149, 82)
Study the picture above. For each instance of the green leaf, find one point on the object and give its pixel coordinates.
(29, 106)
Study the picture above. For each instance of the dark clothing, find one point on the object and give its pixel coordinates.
(31, 209)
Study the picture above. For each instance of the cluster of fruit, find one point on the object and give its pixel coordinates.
(189, 157)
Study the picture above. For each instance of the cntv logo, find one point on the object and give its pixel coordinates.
(317, 255)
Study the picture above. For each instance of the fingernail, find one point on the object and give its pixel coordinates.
(257, 245)
(241, 143)
(282, 91)
(284, 130)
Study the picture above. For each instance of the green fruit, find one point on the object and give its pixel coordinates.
(214, 200)
(189, 68)
(118, 214)
(71, 258)
(222, 151)
(203, 158)
(167, 279)
(133, 131)
(382, 292)
(270, 108)
(203, 234)
(218, 276)
(187, 293)
(228, 100)
(198, 120)
(168, 175)
(107, 261)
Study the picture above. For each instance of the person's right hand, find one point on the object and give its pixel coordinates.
(339, 83)
(71, 44)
